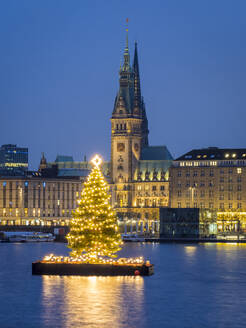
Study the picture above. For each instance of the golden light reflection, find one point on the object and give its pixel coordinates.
(190, 250)
(94, 301)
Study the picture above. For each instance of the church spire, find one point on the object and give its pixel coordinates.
(126, 66)
(137, 89)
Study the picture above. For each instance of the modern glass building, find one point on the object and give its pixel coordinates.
(13, 158)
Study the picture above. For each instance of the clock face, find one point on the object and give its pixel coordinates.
(136, 147)
(120, 147)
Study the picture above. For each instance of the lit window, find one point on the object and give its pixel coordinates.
(234, 155)
(226, 155)
(4, 183)
(44, 184)
(26, 184)
(204, 156)
(239, 170)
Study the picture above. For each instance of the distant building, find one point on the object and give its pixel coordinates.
(43, 197)
(13, 159)
(139, 172)
(214, 179)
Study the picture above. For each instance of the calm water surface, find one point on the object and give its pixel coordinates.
(193, 286)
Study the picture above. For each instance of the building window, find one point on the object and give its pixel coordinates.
(202, 173)
(230, 171)
(211, 173)
(202, 193)
(188, 173)
(187, 184)
(230, 197)
(230, 187)
(222, 206)
(179, 205)
(239, 170)
(202, 205)
(179, 173)
(221, 197)
(221, 171)
(222, 179)
(221, 188)
(239, 205)
(239, 197)
(179, 193)
(211, 194)
(211, 205)
(239, 188)
(202, 184)
(162, 188)
(230, 205)
(187, 205)
(153, 188)
(195, 205)
(195, 174)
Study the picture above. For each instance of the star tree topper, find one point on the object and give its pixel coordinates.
(96, 161)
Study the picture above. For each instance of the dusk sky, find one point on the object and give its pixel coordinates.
(59, 64)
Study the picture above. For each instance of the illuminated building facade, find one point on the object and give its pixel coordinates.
(212, 179)
(13, 158)
(139, 172)
(38, 198)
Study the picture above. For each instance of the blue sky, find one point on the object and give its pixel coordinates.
(59, 63)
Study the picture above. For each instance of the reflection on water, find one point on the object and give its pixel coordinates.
(94, 301)
(190, 250)
(194, 285)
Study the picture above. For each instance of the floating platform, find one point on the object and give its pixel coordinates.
(81, 269)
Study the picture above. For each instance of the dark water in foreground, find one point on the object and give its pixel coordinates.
(193, 286)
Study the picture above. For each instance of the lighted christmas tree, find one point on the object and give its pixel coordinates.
(93, 228)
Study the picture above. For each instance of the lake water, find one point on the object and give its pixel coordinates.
(193, 286)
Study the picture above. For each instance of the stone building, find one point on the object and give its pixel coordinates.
(38, 198)
(213, 179)
(139, 172)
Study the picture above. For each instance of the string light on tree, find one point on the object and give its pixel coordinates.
(93, 228)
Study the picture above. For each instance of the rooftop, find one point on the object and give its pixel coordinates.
(214, 153)
(155, 153)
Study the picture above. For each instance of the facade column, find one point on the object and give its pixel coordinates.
(153, 227)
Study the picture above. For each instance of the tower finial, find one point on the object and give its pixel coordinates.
(126, 65)
(126, 49)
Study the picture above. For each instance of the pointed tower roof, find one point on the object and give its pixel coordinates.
(137, 89)
(43, 163)
(126, 65)
(43, 159)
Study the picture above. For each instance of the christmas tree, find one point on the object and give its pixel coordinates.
(93, 228)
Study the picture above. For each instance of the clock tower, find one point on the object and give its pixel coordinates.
(129, 129)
